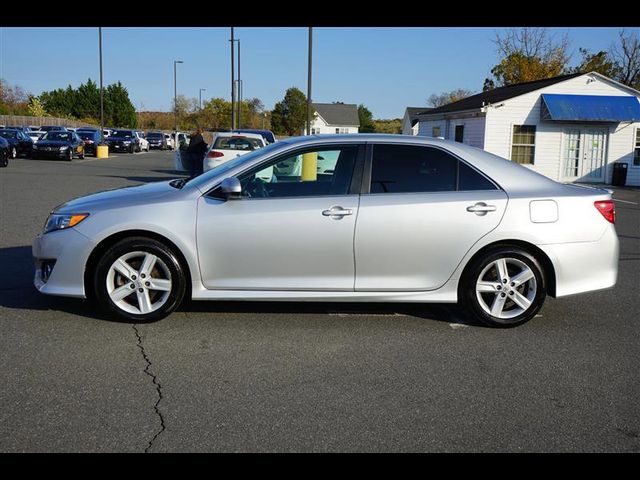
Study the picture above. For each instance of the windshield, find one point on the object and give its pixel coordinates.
(122, 133)
(232, 164)
(8, 133)
(57, 136)
(155, 135)
(86, 135)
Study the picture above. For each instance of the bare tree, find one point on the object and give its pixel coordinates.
(626, 57)
(444, 98)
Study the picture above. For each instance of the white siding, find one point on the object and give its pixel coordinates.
(319, 124)
(474, 128)
(525, 110)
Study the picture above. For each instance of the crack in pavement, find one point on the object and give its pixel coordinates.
(154, 379)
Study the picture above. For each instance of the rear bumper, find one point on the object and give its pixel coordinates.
(585, 266)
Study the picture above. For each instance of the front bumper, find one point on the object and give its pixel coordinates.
(119, 147)
(70, 250)
(41, 153)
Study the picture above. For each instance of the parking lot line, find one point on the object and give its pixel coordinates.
(624, 201)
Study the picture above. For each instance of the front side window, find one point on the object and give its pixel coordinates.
(317, 172)
(417, 169)
(636, 151)
(523, 144)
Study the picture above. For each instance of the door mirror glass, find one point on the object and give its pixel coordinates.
(231, 188)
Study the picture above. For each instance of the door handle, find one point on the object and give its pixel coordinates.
(481, 208)
(337, 212)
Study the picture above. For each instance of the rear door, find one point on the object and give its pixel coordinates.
(422, 210)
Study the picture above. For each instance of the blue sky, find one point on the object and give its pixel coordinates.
(387, 69)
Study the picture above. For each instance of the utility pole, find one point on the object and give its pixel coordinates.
(309, 82)
(101, 89)
(233, 85)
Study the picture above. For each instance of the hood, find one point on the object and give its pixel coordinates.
(120, 197)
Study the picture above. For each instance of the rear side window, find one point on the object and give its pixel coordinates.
(407, 168)
(416, 169)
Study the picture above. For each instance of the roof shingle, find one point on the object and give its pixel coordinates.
(338, 113)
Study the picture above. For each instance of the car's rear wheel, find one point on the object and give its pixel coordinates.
(504, 287)
(139, 279)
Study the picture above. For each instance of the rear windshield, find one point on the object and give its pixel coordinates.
(237, 143)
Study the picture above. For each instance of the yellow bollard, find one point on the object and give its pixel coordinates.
(310, 167)
(102, 151)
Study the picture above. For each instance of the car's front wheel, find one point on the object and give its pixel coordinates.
(504, 287)
(139, 279)
(69, 154)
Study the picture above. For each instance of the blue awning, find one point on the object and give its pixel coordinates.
(590, 108)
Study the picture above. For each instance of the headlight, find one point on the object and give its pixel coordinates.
(62, 149)
(127, 142)
(58, 221)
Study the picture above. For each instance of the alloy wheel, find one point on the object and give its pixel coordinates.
(506, 288)
(139, 282)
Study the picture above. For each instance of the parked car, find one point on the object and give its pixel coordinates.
(57, 128)
(229, 145)
(157, 140)
(35, 135)
(143, 142)
(106, 132)
(91, 139)
(267, 135)
(123, 141)
(437, 221)
(20, 144)
(5, 152)
(58, 144)
(170, 143)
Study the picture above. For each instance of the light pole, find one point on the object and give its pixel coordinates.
(233, 86)
(239, 88)
(175, 99)
(101, 90)
(309, 82)
(201, 90)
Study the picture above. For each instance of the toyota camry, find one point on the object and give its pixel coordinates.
(340, 218)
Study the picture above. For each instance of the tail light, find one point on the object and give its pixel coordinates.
(607, 208)
(214, 154)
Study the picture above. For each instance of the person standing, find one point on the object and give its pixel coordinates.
(195, 152)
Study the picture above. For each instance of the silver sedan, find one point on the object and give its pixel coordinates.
(340, 218)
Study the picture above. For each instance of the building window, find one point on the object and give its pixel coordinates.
(523, 144)
(315, 131)
(636, 151)
(459, 137)
(435, 132)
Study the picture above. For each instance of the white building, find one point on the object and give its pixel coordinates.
(569, 128)
(410, 120)
(334, 118)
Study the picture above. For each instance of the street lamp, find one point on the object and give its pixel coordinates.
(175, 98)
(309, 82)
(200, 95)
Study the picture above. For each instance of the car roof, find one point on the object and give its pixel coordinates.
(239, 134)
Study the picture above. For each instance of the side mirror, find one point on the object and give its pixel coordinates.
(231, 188)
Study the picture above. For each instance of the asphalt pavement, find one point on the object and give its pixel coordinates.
(302, 377)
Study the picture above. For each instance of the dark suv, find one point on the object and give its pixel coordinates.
(91, 139)
(157, 140)
(123, 141)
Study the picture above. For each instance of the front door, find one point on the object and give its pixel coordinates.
(292, 229)
(584, 154)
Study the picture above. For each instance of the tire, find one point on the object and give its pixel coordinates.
(495, 299)
(132, 149)
(158, 303)
(69, 157)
